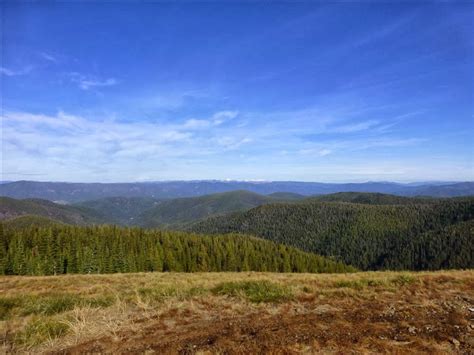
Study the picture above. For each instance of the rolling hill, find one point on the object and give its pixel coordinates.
(368, 236)
(120, 210)
(11, 208)
(175, 212)
(287, 196)
(139, 211)
(28, 221)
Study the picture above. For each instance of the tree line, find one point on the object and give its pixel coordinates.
(64, 249)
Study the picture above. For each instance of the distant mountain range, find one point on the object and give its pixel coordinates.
(78, 192)
(177, 212)
(367, 230)
(138, 211)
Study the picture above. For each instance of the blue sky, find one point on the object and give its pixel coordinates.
(247, 91)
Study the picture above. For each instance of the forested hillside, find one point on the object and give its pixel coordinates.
(287, 196)
(120, 210)
(172, 213)
(408, 236)
(107, 249)
(370, 198)
(28, 221)
(11, 208)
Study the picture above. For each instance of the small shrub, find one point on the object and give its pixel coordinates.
(254, 291)
(39, 330)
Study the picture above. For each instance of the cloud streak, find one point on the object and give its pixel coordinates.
(48, 57)
(102, 146)
(18, 72)
(85, 82)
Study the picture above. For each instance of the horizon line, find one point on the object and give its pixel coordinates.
(256, 181)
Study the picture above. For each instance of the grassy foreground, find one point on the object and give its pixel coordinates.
(374, 312)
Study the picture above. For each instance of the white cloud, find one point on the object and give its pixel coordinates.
(353, 127)
(196, 124)
(315, 152)
(216, 119)
(231, 142)
(25, 120)
(87, 82)
(94, 147)
(10, 72)
(223, 116)
(48, 57)
(168, 99)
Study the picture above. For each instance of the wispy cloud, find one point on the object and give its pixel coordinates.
(169, 98)
(217, 119)
(223, 116)
(315, 152)
(11, 72)
(228, 142)
(86, 82)
(353, 127)
(66, 142)
(49, 57)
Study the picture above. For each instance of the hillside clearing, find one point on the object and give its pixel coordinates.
(375, 312)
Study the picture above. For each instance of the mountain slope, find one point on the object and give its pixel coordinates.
(120, 210)
(11, 208)
(28, 221)
(366, 236)
(77, 192)
(286, 196)
(370, 198)
(184, 210)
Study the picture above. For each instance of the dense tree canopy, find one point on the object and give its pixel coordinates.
(61, 249)
(410, 236)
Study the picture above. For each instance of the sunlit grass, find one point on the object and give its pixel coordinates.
(42, 312)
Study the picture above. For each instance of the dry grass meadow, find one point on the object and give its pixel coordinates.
(241, 313)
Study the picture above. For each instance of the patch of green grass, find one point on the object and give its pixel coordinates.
(7, 305)
(403, 279)
(48, 304)
(159, 294)
(39, 330)
(254, 291)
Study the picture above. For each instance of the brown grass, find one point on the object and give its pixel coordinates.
(369, 312)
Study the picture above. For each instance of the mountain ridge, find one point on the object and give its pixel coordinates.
(79, 192)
